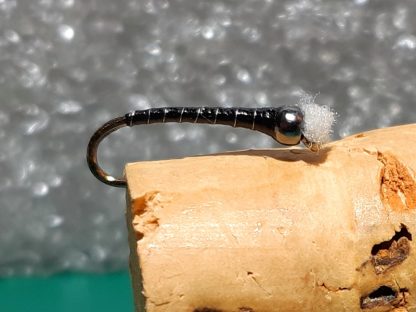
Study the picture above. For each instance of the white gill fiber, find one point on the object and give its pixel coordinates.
(318, 120)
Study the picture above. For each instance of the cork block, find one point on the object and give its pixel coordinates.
(279, 229)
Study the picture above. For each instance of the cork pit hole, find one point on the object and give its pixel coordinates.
(384, 296)
(388, 254)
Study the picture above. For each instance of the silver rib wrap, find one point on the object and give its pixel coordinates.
(67, 66)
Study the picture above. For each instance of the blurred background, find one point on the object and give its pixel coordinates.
(67, 66)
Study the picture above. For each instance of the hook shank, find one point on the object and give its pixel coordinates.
(281, 123)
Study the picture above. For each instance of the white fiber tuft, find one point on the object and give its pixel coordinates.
(318, 120)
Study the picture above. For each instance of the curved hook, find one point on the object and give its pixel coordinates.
(285, 124)
(95, 140)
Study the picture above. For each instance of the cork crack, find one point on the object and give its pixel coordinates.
(254, 279)
(161, 303)
(241, 309)
(329, 288)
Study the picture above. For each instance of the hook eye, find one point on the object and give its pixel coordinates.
(312, 146)
(92, 150)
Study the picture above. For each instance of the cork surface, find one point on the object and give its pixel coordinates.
(279, 230)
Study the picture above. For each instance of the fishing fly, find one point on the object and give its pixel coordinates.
(290, 125)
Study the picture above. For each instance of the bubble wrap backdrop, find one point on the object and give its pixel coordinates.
(67, 66)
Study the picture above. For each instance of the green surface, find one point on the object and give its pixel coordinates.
(67, 292)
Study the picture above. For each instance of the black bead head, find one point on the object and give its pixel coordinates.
(289, 124)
